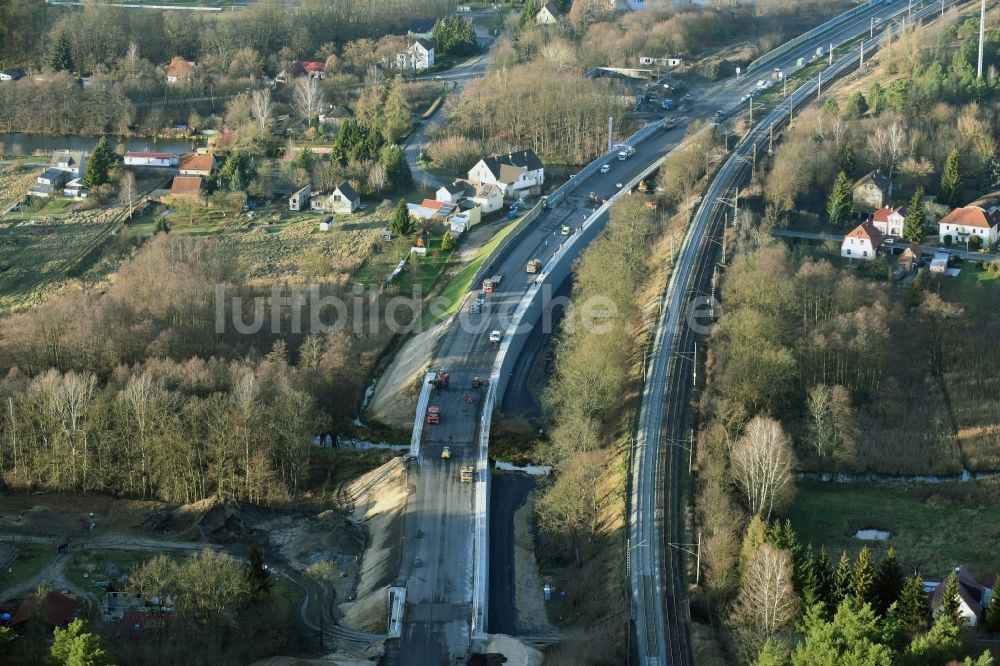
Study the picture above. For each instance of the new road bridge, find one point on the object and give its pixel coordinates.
(444, 563)
(656, 545)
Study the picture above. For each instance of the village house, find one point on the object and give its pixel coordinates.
(138, 158)
(419, 56)
(515, 174)
(872, 191)
(432, 209)
(180, 70)
(421, 28)
(57, 610)
(186, 187)
(73, 162)
(65, 166)
(197, 164)
(973, 597)
(336, 116)
(862, 243)
(311, 68)
(910, 259)
(980, 218)
(549, 14)
(74, 189)
(890, 220)
(343, 200)
(299, 199)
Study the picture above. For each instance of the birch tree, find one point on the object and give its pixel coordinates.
(307, 97)
(767, 602)
(261, 109)
(762, 462)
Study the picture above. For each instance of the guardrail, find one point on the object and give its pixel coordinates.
(418, 422)
(792, 44)
(514, 237)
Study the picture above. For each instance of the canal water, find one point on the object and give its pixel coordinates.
(28, 144)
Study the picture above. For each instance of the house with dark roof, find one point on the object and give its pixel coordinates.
(419, 56)
(549, 14)
(343, 200)
(515, 174)
(872, 191)
(980, 218)
(422, 28)
(862, 243)
(973, 597)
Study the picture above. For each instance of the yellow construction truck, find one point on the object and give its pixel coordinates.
(466, 473)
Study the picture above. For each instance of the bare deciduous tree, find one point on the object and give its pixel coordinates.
(307, 96)
(767, 602)
(127, 190)
(762, 462)
(261, 110)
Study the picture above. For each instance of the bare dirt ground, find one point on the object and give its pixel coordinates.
(395, 399)
(531, 615)
(515, 651)
(380, 512)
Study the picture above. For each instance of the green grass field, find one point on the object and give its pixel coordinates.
(975, 289)
(30, 559)
(934, 527)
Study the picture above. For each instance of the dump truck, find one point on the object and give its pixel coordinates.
(491, 283)
(433, 416)
(625, 152)
(670, 124)
(446, 453)
(534, 265)
(466, 473)
(441, 379)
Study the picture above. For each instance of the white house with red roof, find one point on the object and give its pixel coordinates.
(180, 70)
(980, 218)
(862, 243)
(890, 220)
(141, 158)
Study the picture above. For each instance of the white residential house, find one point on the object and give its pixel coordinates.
(453, 193)
(139, 158)
(419, 56)
(299, 199)
(980, 218)
(973, 597)
(516, 174)
(343, 200)
(180, 70)
(890, 220)
(549, 14)
(862, 243)
(74, 189)
(73, 162)
(939, 263)
(488, 196)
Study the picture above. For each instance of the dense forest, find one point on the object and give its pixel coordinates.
(135, 391)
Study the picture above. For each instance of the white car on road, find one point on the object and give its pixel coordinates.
(606, 168)
(495, 335)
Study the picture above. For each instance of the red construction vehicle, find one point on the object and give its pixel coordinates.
(433, 416)
(441, 380)
(491, 283)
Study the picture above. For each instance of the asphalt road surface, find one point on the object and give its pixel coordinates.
(508, 494)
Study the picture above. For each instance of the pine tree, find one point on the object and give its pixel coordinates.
(916, 218)
(847, 160)
(161, 226)
(401, 224)
(992, 619)
(951, 179)
(808, 585)
(754, 538)
(99, 163)
(60, 57)
(824, 579)
(772, 653)
(838, 207)
(912, 608)
(529, 11)
(863, 578)
(447, 242)
(951, 603)
(841, 581)
(257, 576)
(888, 581)
(989, 177)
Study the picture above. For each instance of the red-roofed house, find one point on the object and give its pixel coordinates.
(57, 609)
(186, 187)
(973, 597)
(180, 70)
(140, 158)
(910, 258)
(890, 220)
(980, 218)
(195, 164)
(862, 243)
(312, 68)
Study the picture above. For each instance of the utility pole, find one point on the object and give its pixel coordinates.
(784, 86)
(871, 29)
(862, 64)
(770, 139)
(611, 127)
(831, 53)
(753, 167)
(697, 567)
(819, 85)
(982, 33)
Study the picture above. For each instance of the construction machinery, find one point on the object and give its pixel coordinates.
(466, 473)
(490, 284)
(446, 453)
(441, 379)
(433, 416)
(533, 266)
